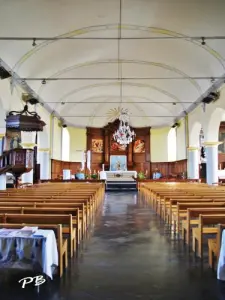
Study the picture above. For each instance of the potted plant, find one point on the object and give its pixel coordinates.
(94, 176)
(141, 175)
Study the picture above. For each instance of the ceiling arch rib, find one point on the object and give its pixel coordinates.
(63, 99)
(108, 97)
(85, 30)
(93, 115)
(116, 84)
(124, 61)
(138, 108)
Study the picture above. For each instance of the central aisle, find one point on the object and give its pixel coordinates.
(130, 257)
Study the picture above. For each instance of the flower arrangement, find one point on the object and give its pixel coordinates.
(141, 175)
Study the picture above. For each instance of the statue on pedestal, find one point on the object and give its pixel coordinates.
(15, 142)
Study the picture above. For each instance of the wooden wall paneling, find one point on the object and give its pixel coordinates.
(139, 157)
(97, 159)
(130, 154)
(58, 166)
(107, 146)
(168, 168)
(89, 138)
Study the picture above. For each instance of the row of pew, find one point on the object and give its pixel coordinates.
(194, 212)
(67, 208)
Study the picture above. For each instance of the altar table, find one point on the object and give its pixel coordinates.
(118, 175)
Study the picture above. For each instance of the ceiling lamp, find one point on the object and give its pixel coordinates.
(124, 135)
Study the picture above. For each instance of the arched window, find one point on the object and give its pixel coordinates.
(65, 144)
(172, 144)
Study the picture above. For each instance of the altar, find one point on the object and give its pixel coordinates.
(116, 162)
(118, 175)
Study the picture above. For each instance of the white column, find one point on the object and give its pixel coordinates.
(1, 142)
(3, 176)
(28, 142)
(193, 163)
(44, 161)
(211, 162)
(3, 182)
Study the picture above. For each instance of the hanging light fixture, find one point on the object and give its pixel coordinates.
(124, 135)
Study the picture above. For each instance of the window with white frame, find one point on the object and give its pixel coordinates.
(65, 144)
(172, 144)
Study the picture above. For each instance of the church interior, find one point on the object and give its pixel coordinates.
(112, 149)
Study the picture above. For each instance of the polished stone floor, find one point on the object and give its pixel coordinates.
(130, 255)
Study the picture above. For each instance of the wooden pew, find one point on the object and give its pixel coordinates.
(65, 220)
(205, 220)
(181, 212)
(61, 211)
(61, 242)
(83, 213)
(193, 220)
(214, 246)
(86, 202)
(171, 204)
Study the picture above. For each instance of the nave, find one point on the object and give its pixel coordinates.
(129, 255)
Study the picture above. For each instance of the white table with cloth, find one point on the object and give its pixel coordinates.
(221, 262)
(20, 250)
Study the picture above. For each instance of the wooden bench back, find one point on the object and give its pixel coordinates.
(213, 219)
(186, 205)
(196, 212)
(185, 197)
(55, 200)
(39, 218)
(80, 206)
(50, 210)
(194, 200)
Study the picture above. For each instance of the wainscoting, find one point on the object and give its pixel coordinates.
(58, 166)
(168, 169)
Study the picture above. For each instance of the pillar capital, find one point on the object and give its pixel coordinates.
(212, 144)
(193, 148)
(28, 145)
(44, 149)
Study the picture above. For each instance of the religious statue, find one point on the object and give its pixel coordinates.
(118, 165)
(157, 174)
(15, 142)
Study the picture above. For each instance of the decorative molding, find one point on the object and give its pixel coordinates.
(212, 144)
(193, 148)
(44, 150)
(28, 145)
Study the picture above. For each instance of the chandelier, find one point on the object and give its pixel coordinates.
(124, 135)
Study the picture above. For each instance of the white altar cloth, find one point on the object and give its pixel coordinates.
(47, 255)
(221, 262)
(221, 174)
(104, 175)
(50, 251)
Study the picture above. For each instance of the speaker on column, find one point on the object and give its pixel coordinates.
(203, 170)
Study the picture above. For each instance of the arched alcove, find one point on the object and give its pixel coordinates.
(65, 144)
(172, 144)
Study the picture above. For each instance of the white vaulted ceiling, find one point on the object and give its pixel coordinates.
(84, 66)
